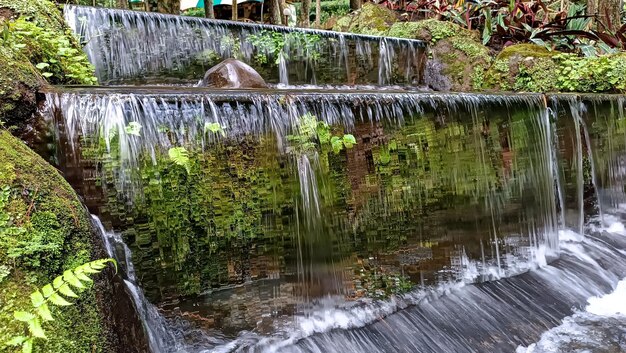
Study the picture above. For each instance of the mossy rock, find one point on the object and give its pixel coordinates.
(431, 31)
(19, 84)
(370, 19)
(522, 67)
(49, 213)
(36, 41)
(457, 59)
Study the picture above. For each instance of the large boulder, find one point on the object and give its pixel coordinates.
(232, 73)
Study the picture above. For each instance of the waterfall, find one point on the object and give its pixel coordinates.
(126, 44)
(504, 211)
(160, 336)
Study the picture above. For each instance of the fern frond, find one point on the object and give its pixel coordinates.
(180, 156)
(55, 293)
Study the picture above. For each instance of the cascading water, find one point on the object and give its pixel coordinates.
(160, 336)
(456, 222)
(441, 190)
(128, 44)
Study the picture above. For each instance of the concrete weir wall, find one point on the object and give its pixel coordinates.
(126, 45)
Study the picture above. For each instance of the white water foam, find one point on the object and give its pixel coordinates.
(579, 332)
(601, 324)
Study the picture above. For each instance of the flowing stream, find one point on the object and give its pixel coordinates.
(345, 218)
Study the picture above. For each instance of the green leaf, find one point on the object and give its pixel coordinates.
(180, 156)
(45, 313)
(47, 74)
(337, 144)
(42, 66)
(47, 291)
(58, 282)
(34, 326)
(23, 316)
(70, 278)
(67, 291)
(16, 341)
(27, 347)
(58, 300)
(133, 128)
(349, 140)
(37, 299)
(214, 128)
(81, 276)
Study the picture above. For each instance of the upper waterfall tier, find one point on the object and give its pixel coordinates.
(127, 45)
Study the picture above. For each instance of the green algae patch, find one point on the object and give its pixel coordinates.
(44, 230)
(370, 19)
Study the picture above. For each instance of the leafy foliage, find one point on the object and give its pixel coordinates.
(55, 293)
(272, 45)
(133, 128)
(53, 54)
(313, 134)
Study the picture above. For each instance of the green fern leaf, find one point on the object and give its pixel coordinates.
(34, 326)
(70, 278)
(16, 341)
(50, 294)
(44, 312)
(27, 347)
(67, 291)
(37, 299)
(180, 156)
(83, 277)
(23, 316)
(58, 300)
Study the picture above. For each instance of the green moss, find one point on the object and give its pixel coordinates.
(370, 19)
(531, 68)
(430, 30)
(47, 212)
(525, 51)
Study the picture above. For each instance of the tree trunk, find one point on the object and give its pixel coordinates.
(318, 13)
(276, 14)
(208, 9)
(355, 4)
(304, 15)
(281, 11)
(607, 12)
(169, 6)
(122, 4)
(234, 10)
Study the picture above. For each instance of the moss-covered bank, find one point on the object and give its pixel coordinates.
(36, 45)
(458, 61)
(45, 230)
(531, 68)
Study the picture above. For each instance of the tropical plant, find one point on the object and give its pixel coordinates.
(56, 293)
